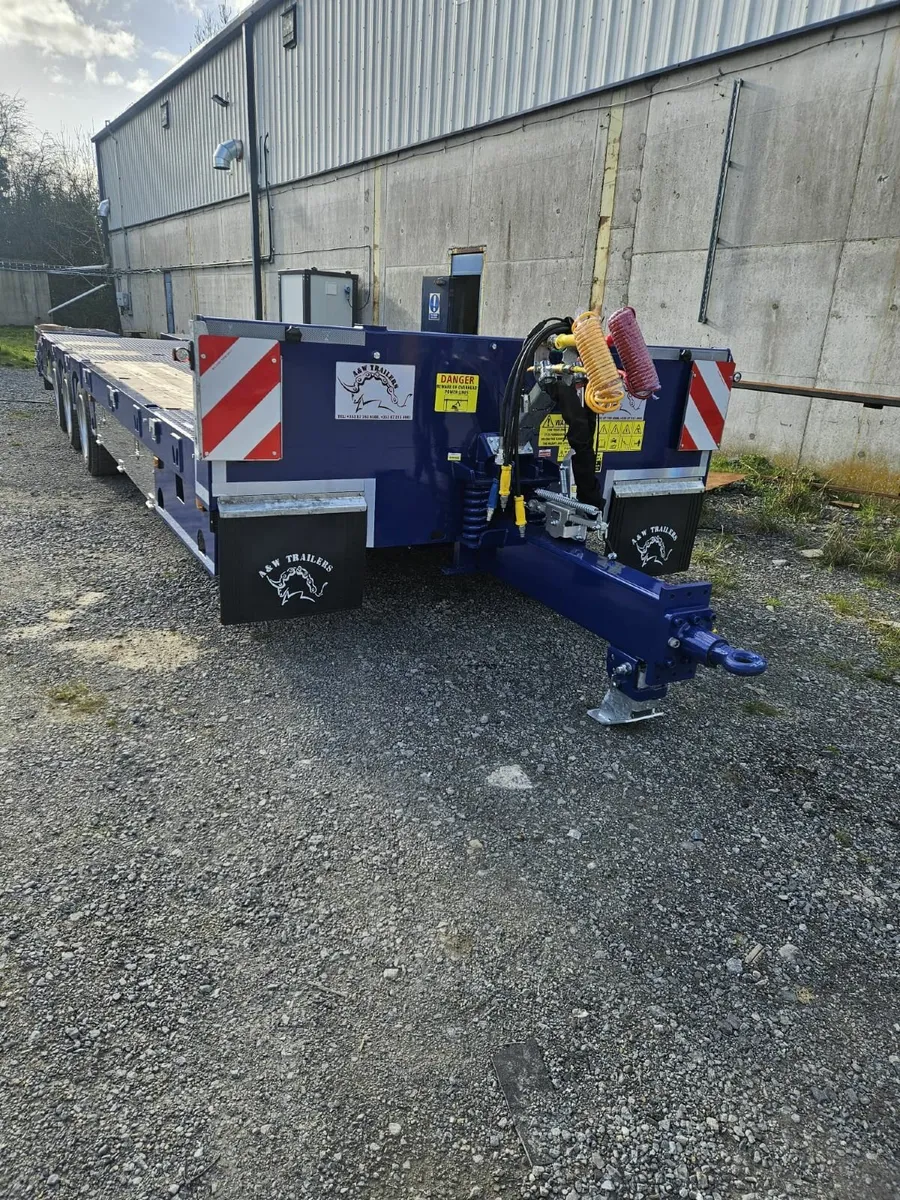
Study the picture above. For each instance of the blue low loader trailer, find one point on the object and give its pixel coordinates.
(282, 455)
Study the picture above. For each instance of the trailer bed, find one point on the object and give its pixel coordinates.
(143, 367)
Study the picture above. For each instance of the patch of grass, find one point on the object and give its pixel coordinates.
(710, 558)
(846, 606)
(16, 346)
(767, 518)
(771, 602)
(888, 644)
(788, 494)
(868, 547)
(843, 838)
(75, 696)
(842, 667)
(885, 632)
(760, 708)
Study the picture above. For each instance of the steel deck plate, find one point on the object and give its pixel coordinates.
(144, 367)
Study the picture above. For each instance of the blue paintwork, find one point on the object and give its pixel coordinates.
(435, 478)
(168, 434)
(417, 493)
(417, 496)
(635, 613)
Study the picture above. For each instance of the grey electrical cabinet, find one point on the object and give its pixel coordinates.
(314, 297)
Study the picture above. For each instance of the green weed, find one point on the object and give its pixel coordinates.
(76, 697)
(846, 606)
(788, 494)
(16, 346)
(870, 548)
(709, 558)
(760, 708)
(885, 632)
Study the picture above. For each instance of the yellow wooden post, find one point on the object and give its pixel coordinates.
(607, 201)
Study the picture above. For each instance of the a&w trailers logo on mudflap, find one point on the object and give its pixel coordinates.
(374, 392)
(651, 545)
(293, 576)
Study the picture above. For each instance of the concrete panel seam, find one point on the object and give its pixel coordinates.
(840, 257)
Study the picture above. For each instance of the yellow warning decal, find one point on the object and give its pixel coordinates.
(618, 436)
(455, 393)
(554, 434)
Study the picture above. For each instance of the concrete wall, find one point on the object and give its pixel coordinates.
(807, 280)
(208, 254)
(24, 297)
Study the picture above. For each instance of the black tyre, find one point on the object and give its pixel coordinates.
(59, 395)
(97, 458)
(70, 391)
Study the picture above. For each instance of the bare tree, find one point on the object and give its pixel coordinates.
(210, 22)
(12, 130)
(48, 193)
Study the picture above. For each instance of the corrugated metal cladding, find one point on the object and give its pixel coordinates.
(372, 76)
(368, 76)
(168, 170)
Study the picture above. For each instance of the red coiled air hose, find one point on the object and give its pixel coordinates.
(641, 378)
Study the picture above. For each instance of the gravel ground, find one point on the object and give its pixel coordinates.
(265, 916)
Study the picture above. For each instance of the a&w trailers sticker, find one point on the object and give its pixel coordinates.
(374, 391)
(292, 576)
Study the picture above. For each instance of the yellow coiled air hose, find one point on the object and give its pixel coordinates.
(605, 391)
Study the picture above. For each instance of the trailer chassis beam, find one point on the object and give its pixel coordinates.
(657, 632)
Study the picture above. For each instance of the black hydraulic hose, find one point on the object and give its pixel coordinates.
(581, 425)
(511, 403)
(507, 407)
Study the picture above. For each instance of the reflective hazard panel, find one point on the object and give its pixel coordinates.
(240, 398)
(707, 405)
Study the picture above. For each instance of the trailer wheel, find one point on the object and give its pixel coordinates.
(59, 395)
(97, 458)
(71, 418)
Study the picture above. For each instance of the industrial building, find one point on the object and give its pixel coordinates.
(729, 169)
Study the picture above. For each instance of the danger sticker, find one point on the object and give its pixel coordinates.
(553, 433)
(455, 393)
(619, 436)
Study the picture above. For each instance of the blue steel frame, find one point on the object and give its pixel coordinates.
(432, 475)
(166, 433)
(418, 497)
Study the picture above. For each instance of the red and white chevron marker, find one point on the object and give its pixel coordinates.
(240, 398)
(704, 417)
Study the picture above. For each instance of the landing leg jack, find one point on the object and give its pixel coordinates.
(618, 709)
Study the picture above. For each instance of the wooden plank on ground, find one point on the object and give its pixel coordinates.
(719, 479)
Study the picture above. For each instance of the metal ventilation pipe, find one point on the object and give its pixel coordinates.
(227, 153)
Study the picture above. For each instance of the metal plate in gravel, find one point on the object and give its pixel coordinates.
(530, 1095)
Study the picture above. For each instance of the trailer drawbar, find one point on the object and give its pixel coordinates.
(572, 465)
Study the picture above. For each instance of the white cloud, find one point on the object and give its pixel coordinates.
(141, 82)
(56, 76)
(167, 56)
(90, 72)
(54, 27)
(113, 79)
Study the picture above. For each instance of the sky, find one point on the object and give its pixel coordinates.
(79, 63)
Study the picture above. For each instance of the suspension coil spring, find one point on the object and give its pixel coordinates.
(474, 520)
